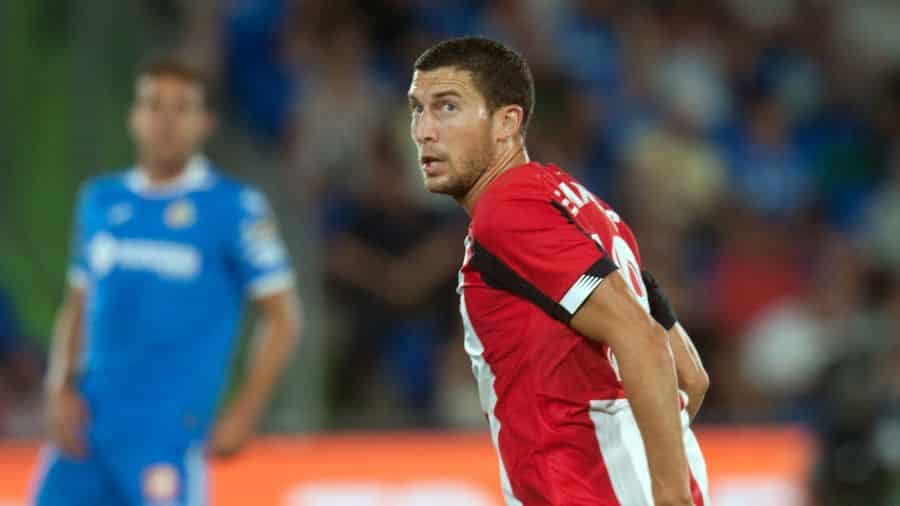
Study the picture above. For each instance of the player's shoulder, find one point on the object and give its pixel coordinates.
(521, 197)
(104, 187)
(241, 196)
(524, 182)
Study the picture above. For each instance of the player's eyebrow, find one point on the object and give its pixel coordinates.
(413, 101)
(445, 94)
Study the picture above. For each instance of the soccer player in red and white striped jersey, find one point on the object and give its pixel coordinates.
(588, 396)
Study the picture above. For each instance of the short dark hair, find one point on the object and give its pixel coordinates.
(173, 66)
(500, 74)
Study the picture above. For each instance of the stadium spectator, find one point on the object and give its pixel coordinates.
(392, 272)
(20, 373)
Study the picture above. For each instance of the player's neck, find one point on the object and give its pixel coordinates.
(161, 173)
(513, 158)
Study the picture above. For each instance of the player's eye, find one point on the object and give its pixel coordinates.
(449, 107)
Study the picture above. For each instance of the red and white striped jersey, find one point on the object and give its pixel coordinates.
(539, 243)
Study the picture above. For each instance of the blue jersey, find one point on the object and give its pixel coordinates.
(165, 272)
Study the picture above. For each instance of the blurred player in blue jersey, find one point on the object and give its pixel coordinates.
(164, 256)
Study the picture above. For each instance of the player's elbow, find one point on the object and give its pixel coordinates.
(283, 316)
(696, 383)
(644, 339)
(655, 344)
(292, 324)
(645, 333)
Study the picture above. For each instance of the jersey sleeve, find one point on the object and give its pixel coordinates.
(78, 271)
(256, 249)
(531, 247)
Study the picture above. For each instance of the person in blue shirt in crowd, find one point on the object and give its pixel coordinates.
(164, 256)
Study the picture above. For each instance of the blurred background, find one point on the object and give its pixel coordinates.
(753, 145)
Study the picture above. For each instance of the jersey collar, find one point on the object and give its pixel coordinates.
(194, 177)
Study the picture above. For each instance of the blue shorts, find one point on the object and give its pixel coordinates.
(137, 474)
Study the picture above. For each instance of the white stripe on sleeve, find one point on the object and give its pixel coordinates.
(77, 278)
(271, 283)
(579, 292)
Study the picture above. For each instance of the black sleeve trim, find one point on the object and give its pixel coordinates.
(498, 275)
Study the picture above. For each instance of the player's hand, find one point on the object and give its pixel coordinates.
(232, 432)
(67, 420)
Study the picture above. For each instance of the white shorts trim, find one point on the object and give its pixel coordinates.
(623, 452)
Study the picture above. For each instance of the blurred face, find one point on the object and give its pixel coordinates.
(169, 121)
(452, 128)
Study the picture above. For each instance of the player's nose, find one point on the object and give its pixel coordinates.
(424, 129)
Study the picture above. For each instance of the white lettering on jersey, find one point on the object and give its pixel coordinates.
(166, 259)
(613, 216)
(627, 262)
(574, 201)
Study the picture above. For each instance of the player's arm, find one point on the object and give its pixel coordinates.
(692, 377)
(276, 335)
(263, 268)
(613, 316)
(274, 339)
(66, 411)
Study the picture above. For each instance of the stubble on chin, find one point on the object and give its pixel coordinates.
(457, 184)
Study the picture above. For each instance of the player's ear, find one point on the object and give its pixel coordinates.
(211, 123)
(509, 119)
(132, 119)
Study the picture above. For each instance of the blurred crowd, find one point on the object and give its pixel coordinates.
(753, 145)
(20, 375)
